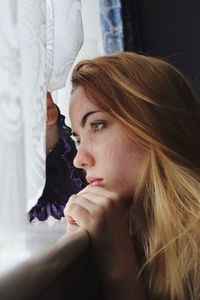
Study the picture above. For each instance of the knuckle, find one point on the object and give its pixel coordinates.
(72, 198)
(65, 210)
(87, 188)
(99, 213)
(114, 196)
(74, 208)
(110, 204)
(79, 214)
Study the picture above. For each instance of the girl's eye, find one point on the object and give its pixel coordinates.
(96, 126)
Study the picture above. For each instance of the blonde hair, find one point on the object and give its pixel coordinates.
(159, 110)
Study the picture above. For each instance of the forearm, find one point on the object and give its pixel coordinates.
(120, 279)
(127, 288)
(99, 212)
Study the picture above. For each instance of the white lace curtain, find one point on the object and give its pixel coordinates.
(39, 41)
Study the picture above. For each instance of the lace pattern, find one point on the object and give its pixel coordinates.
(62, 178)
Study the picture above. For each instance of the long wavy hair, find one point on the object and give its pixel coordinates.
(160, 111)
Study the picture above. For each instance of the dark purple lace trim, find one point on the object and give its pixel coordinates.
(74, 178)
(69, 146)
(43, 211)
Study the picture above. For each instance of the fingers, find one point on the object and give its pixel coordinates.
(91, 207)
(99, 191)
(79, 210)
(71, 228)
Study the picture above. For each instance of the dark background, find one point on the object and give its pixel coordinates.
(167, 29)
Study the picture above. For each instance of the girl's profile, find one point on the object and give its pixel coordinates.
(136, 123)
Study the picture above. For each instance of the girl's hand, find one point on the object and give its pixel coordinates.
(101, 213)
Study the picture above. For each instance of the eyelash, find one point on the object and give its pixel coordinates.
(97, 123)
(93, 125)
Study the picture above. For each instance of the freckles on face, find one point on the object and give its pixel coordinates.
(108, 152)
(123, 161)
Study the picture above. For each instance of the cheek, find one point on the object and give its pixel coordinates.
(124, 163)
(110, 152)
(119, 157)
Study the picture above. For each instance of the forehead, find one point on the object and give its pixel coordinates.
(80, 103)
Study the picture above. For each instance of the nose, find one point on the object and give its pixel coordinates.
(84, 158)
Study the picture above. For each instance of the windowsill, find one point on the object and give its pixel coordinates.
(37, 256)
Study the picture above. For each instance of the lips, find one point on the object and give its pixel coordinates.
(94, 180)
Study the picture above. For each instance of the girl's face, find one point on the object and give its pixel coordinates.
(104, 150)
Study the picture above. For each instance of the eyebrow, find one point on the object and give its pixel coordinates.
(84, 119)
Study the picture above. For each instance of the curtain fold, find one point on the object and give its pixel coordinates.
(92, 47)
(22, 109)
(111, 23)
(32, 40)
(39, 42)
(64, 39)
(12, 160)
